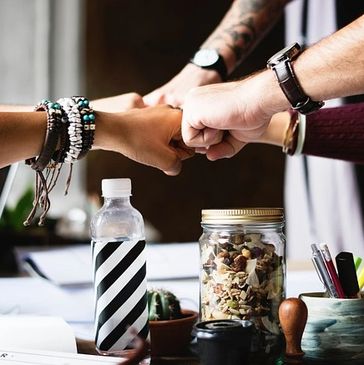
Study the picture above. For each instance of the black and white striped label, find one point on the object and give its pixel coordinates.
(120, 293)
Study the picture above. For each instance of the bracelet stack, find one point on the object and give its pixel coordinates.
(69, 136)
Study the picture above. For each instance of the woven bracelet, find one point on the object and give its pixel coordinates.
(44, 184)
(54, 115)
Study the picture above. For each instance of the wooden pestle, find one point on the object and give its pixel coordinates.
(293, 317)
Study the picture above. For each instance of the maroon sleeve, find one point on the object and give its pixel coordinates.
(336, 133)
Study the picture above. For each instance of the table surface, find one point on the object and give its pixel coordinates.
(88, 347)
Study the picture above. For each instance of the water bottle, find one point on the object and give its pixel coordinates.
(119, 266)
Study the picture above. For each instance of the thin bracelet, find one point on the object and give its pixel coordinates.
(290, 137)
(301, 133)
(45, 183)
(54, 115)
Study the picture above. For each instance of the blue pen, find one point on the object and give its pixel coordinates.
(322, 271)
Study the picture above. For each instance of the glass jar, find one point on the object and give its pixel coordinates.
(243, 270)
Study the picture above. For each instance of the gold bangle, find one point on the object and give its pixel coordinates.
(290, 137)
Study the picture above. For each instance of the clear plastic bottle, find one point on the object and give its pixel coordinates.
(118, 254)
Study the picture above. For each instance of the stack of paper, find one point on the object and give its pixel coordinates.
(73, 265)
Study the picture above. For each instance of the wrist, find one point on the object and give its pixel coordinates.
(271, 98)
(201, 75)
(105, 131)
(275, 133)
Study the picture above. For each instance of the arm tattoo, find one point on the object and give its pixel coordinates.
(252, 6)
(245, 24)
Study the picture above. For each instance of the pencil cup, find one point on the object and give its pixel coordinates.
(334, 331)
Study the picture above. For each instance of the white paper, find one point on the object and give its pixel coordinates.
(173, 260)
(65, 266)
(40, 296)
(36, 333)
(302, 282)
(16, 356)
(73, 265)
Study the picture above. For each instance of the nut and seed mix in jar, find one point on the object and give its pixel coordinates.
(243, 270)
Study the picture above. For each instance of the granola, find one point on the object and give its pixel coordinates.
(242, 278)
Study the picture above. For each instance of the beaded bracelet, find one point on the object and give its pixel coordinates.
(88, 120)
(74, 129)
(290, 138)
(81, 126)
(71, 127)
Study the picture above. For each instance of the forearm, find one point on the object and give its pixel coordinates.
(336, 133)
(331, 132)
(21, 135)
(333, 67)
(246, 22)
(16, 108)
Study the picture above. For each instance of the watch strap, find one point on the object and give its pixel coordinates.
(292, 89)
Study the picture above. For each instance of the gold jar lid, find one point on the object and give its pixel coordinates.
(242, 216)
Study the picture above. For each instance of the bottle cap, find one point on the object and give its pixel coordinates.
(112, 188)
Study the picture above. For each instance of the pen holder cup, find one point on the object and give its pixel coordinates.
(335, 329)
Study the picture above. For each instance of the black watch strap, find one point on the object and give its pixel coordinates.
(281, 64)
(291, 88)
(220, 67)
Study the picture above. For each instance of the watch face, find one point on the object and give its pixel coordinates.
(289, 52)
(205, 57)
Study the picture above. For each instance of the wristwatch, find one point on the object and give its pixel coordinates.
(210, 59)
(281, 64)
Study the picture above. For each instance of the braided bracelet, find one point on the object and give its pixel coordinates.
(54, 115)
(44, 184)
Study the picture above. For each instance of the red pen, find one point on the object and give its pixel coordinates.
(331, 269)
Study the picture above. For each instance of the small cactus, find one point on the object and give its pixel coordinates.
(163, 305)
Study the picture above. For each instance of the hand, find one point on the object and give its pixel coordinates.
(174, 91)
(151, 136)
(220, 119)
(119, 103)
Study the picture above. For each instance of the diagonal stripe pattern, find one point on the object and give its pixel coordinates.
(120, 293)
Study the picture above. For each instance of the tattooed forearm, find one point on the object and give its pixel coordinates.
(244, 25)
(242, 36)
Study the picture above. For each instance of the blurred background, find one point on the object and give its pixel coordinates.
(102, 48)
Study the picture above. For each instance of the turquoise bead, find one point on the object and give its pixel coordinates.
(91, 117)
(56, 106)
(86, 118)
(80, 103)
(85, 102)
